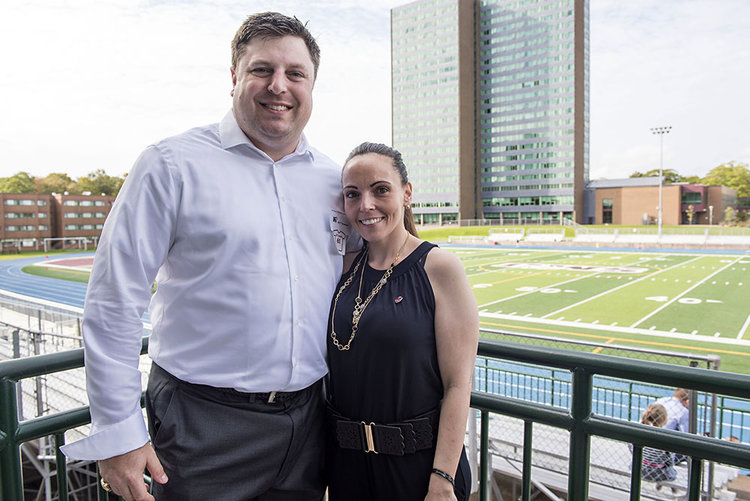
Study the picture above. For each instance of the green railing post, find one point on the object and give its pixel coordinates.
(10, 459)
(61, 468)
(552, 389)
(580, 440)
(484, 456)
(694, 482)
(635, 473)
(528, 431)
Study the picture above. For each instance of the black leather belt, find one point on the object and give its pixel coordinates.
(396, 439)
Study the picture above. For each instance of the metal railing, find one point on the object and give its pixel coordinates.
(579, 420)
(582, 423)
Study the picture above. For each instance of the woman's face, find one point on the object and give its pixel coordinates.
(374, 198)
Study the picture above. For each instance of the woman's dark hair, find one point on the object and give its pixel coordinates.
(398, 165)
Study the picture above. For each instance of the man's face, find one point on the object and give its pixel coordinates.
(272, 93)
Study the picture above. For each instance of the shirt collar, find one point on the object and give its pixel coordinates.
(231, 135)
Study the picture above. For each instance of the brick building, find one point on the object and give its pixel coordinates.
(27, 219)
(635, 201)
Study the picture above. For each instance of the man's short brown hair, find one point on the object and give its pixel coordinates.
(273, 25)
(681, 394)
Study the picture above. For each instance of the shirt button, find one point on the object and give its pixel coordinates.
(296, 278)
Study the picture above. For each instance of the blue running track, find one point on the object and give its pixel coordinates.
(65, 292)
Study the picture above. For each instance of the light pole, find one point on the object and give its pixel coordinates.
(710, 215)
(660, 131)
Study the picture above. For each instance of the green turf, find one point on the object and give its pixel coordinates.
(693, 296)
(43, 271)
(667, 302)
(13, 255)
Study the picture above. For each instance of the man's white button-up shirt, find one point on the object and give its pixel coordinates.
(245, 262)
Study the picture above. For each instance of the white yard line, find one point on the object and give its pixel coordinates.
(620, 287)
(615, 328)
(657, 310)
(537, 290)
(744, 328)
(510, 259)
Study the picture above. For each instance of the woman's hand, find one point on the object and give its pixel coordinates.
(440, 490)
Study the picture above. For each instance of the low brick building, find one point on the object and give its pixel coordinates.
(635, 201)
(27, 219)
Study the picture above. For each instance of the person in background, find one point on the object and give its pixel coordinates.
(677, 410)
(678, 415)
(403, 333)
(656, 465)
(241, 224)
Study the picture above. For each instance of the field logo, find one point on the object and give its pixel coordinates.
(572, 267)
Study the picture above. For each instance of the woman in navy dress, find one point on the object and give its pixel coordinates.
(402, 342)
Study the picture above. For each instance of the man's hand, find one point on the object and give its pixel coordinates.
(124, 473)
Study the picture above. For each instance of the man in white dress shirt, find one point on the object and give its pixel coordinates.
(239, 224)
(678, 415)
(677, 410)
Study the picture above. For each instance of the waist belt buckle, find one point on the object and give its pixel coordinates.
(368, 437)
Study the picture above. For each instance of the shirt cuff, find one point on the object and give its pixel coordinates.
(109, 441)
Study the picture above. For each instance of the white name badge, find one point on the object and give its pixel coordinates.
(340, 229)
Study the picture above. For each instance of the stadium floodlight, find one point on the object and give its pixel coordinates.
(660, 131)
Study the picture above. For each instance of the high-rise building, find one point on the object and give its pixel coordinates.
(490, 107)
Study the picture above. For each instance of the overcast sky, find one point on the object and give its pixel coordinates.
(87, 84)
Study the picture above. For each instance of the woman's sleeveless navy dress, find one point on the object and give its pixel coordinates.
(389, 375)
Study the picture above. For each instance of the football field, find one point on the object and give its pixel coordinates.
(693, 303)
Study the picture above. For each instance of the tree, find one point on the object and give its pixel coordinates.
(98, 182)
(732, 175)
(691, 179)
(690, 212)
(670, 175)
(22, 182)
(57, 182)
(729, 215)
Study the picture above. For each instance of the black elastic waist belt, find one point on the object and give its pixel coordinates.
(395, 439)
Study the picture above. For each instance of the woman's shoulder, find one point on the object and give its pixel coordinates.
(443, 266)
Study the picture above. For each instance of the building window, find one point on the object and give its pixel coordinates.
(43, 227)
(41, 203)
(73, 203)
(99, 203)
(607, 211)
(691, 197)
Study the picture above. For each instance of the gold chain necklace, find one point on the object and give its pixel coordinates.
(359, 306)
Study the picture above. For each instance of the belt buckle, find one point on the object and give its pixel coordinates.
(368, 437)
